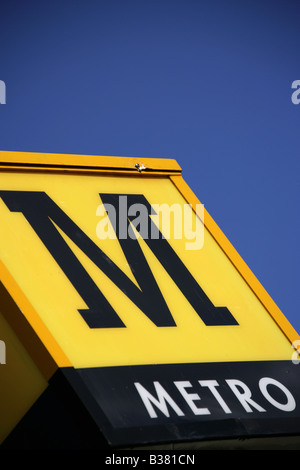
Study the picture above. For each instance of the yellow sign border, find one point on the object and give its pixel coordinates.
(50, 354)
(238, 263)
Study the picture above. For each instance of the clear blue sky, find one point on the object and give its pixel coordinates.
(207, 83)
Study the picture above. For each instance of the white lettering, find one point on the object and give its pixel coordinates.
(160, 402)
(140, 222)
(191, 397)
(115, 460)
(2, 92)
(290, 405)
(164, 402)
(296, 95)
(123, 215)
(163, 213)
(186, 459)
(172, 220)
(243, 396)
(212, 384)
(198, 234)
(2, 352)
(106, 226)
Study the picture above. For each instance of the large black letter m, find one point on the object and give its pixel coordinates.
(44, 215)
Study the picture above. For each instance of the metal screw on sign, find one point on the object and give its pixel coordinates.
(140, 167)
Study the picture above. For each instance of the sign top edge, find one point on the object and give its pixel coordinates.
(117, 163)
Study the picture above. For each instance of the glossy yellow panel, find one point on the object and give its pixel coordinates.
(256, 337)
(21, 382)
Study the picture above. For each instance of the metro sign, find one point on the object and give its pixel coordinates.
(154, 334)
(43, 215)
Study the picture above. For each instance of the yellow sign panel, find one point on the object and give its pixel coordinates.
(98, 296)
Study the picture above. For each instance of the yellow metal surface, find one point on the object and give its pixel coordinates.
(238, 262)
(17, 309)
(50, 161)
(21, 382)
(262, 332)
